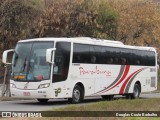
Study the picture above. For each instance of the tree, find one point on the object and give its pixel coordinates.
(16, 22)
(67, 18)
(138, 23)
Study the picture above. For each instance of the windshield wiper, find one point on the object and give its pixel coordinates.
(24, 64)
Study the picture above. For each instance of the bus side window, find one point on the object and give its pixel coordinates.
(123, 61)
(93, 59)
(138, 62)
(81, 53)
(77, 59)
(116, 61)
(110, 60)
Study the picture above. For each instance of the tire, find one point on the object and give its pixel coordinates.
(77, 95)
(43, 100)
(136, 92)
(108, 97)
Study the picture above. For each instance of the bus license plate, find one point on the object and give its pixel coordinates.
(26, 93)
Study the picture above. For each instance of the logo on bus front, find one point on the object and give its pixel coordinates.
(26, 85)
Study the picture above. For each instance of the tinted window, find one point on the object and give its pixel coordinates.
(62, 59)
(95, 54)
(81, 53)
(111, 55)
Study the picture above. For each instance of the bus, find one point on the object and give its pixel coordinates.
(79, 67)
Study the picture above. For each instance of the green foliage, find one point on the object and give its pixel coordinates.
(138, 21)
(133, 22)
(80, 18)
(15, 23)
(36, 4)
(107, 18)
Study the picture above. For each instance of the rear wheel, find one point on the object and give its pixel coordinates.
(43, 100)
(136, 91)
(77, 95)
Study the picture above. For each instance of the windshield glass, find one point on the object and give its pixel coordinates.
(29, 61)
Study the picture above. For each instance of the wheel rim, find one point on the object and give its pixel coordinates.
(76, 95)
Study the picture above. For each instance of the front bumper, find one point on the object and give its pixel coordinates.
(37, 93)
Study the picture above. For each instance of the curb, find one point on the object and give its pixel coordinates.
(11, 99)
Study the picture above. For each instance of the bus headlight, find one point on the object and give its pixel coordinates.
(12, 85)
(44, 85)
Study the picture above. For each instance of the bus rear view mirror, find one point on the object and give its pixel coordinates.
(7, 56)
(50, 55)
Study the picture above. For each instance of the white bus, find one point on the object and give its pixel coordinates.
(73, 68)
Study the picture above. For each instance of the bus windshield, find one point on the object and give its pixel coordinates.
(29, 61)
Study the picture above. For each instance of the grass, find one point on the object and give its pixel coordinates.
(115, 105)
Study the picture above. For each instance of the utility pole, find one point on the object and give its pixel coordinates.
(5, 85)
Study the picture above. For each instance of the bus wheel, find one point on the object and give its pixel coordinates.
(43, 100)
(136, 91)
(77, 95)
(108, 97)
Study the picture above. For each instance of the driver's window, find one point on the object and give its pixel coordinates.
(61, 61)
(58, 65)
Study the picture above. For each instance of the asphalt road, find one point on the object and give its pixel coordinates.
(33, 105)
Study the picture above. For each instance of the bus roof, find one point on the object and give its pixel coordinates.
(92, 41)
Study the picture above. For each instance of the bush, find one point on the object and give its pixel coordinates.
(78, 18)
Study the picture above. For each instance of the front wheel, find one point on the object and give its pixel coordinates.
(77, 95)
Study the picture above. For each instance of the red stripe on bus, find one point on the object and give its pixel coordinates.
(115, 81)
(123, 77)
(125, 83)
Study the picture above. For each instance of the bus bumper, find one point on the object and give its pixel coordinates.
(38, 93)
